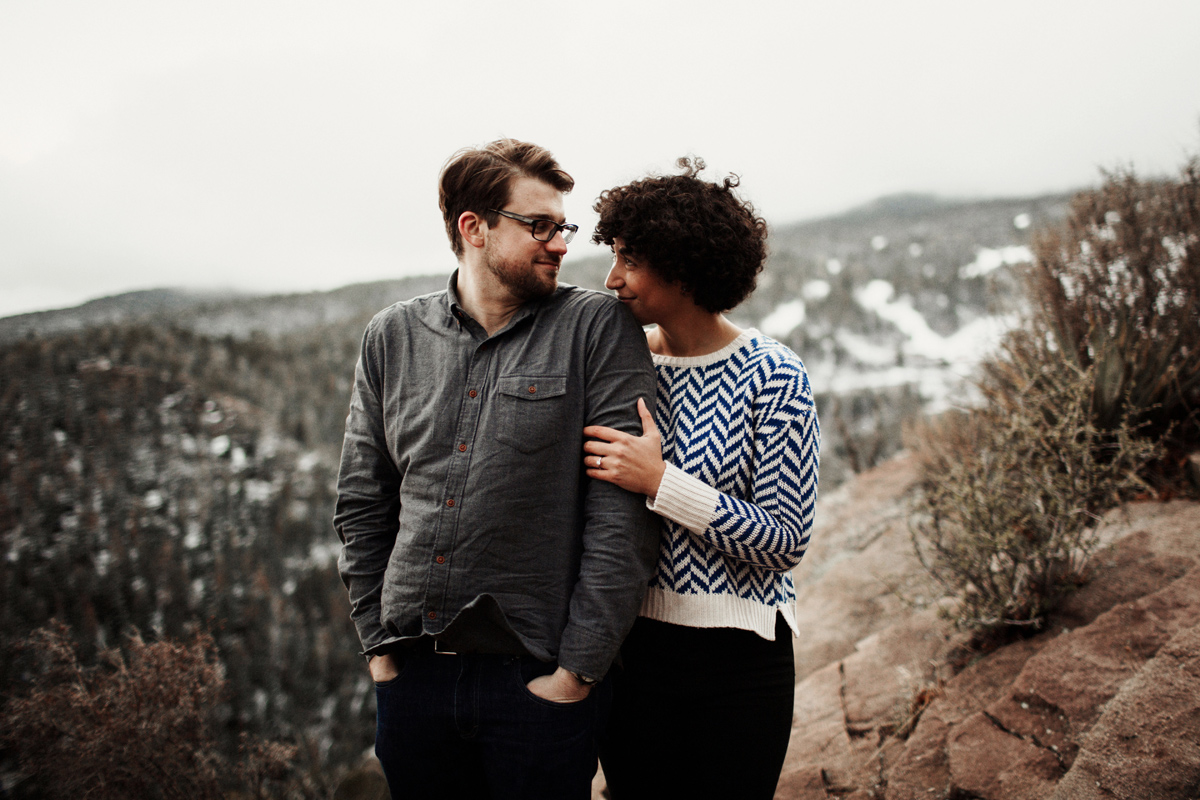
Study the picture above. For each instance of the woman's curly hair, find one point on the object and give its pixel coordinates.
(688, 230)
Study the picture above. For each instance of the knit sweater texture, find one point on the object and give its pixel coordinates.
(741, 442)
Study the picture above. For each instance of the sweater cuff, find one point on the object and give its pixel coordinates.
(685, 500)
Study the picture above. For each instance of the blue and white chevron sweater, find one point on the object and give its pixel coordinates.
(741, 442)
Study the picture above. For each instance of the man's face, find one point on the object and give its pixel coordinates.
(526, 267)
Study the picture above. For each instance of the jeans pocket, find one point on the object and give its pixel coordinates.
(401, 663)
(527, 670)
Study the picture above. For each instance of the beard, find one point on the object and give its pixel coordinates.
(522, 278)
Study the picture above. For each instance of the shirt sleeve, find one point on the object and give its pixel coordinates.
(772, 529)
(620, 536)
(367, 513)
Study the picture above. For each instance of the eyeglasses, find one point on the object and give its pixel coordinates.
(542, 229)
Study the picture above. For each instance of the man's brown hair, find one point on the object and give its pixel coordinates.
(479, 178)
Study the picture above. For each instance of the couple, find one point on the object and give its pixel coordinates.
(527, 490)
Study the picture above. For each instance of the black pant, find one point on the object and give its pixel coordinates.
(699, 713)
(465, 727)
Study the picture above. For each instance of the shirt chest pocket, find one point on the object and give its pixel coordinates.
(531, 411)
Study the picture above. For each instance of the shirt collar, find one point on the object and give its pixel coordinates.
(456, 310)
(452, 303)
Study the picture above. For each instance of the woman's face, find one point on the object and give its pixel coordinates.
(649, 297)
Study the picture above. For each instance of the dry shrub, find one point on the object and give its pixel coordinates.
(1012, 492)
(139, 725)
(1117, 286)
(1102, 382)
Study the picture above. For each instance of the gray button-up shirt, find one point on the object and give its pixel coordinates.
(463, 506)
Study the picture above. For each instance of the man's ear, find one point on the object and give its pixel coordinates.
(472, 228)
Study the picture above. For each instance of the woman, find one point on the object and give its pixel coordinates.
(703, 704)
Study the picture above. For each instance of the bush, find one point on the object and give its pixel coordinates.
(1118, 289)
(1011, 493)
(1101, 382)
(141, 725)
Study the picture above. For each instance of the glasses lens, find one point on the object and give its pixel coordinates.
(543, 230)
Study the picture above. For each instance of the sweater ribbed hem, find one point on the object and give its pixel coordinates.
(685, 500)
(716, 611)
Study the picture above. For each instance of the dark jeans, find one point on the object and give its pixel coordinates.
(699, 713)
(465, 726)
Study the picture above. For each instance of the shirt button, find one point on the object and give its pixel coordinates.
(472, 393)
(433, 615)
(440, 559)
(450, 502)
(462, 448)
(533, 390)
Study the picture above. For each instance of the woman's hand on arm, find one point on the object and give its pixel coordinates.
(634, 463)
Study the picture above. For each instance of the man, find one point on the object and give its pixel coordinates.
(490, 579)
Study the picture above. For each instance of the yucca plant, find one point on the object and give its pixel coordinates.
(1118, 288)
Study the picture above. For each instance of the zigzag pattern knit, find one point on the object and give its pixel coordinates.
(741, 442)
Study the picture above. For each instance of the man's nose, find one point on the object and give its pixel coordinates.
(557, 243)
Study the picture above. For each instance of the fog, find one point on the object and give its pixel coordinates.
(275, 146)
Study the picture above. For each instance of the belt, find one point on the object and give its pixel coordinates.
(429, 644)
(423, 644)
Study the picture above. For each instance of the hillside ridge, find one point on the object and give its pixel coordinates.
(215, 310)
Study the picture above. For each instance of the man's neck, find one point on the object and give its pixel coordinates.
(484, 298)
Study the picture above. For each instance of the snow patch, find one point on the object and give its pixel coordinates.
(784, 319)
(864, 351)
(988, 260)
(816, 290)
(964, 346)
(257, 491)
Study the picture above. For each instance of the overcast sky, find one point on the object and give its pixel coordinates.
(290, 145)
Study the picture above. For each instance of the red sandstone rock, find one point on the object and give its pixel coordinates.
(1072, 688)
(922, 770)
(989, 762)
(1060, 692)
(803, 784)
(1146, 744)
(860, 548)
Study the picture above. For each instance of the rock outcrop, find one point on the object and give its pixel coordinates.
(892, 704)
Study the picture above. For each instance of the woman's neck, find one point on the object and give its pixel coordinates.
(691, 335)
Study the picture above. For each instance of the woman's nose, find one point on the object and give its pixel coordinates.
(614, 279)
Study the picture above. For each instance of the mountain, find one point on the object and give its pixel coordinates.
(224, 313)
(916, 242)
